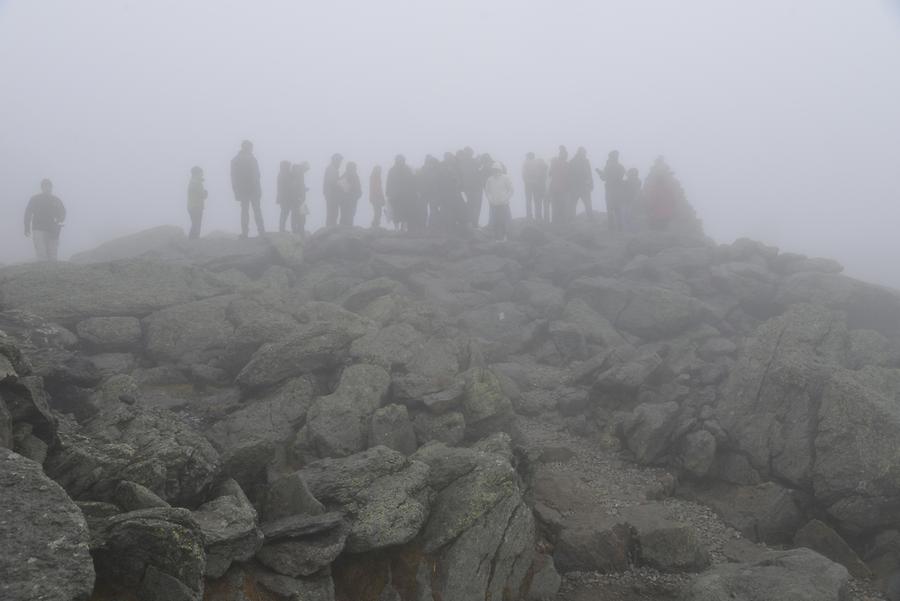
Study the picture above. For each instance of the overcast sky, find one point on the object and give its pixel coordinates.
(781, 117)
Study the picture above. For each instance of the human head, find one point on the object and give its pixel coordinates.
(563, 153)
(497, 168)
(285, 165)
(400, 160)
(46, 186)
(301, 167)
(196, 172)
(376, 169)
(614, 155)
(351, 167)
(530, 156)
(581, 152)
(469, 152)
(336, 159)
(633, 173)
(247, 146)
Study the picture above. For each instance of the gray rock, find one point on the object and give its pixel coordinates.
(545, 580)
(798, 574)
(596, 545)
(596, 328)
(647, 431)
(699, 453)
(6, 426)
(383, 494)
(110, 333)
(821, 538)
(449, 428)
(189, 332)
(301, 525)
(338, 424)
(569, 341)
(304, 556)
(228, 524)
(316, 588)
(666, 544)
(391, 427)
(156, 551)
(49, 558)
(131, 496)
(157, 239)
(289, 496)
(618, 385)
(111, 364)
(485, 406)
(395, 345)
(655, 313)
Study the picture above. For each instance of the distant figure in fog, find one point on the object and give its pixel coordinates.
(44, 218)
(247, 189)
(298, 192)
(560, 185)
(401, 191)
(499, 191)
(534, 176)
(472, 184)
(661, 193)
(350, 193)
(454, 215)
(582, 185)
(613, 175)
(290, 197)
(332, 191)
(376, 195)
(630, 206)
(196, 201)
(428, 182)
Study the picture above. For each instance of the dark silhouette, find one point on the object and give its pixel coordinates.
(196, 201)
(560, 186)
(350, 193)
(582, 183)
(401, 192)
(44, 218)
(453, 214)
(376, 195)
(301, 209)
(472, 183)
(247, 189)
(428, 181)
(332, 191)
(631, 201)
(499, 191)
(291, 197)
(613, 175)
(534, 176)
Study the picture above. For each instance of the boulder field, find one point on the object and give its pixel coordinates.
(368, 416)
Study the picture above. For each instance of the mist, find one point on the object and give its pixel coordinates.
(780, 118)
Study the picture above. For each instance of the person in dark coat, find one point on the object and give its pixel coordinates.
(428, 180)
(247, 189)
(472, 183)
(44, 218)
(613, 175)
(455, 215)
(401, 191)
(534, 176)
(582, 183)
(332, 190)
(351, 192)
(196, 201)
(560, 186)
(298, 194)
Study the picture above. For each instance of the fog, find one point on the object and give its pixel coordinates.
(782, 119)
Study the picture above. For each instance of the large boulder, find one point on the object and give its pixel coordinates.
(160, 240)
(189, 332)
(384, 495)
(110, 333)
(45, 552)
(228, 524)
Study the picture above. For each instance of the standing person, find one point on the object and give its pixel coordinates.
(332, 191)
(298, 193)
(534, 176)
(499, 191)
(631, 201)
(376, 195)
(44, 218)
(582, 182)
(247, 189)
(401, 191)
(196, 201)
(351, 192)
(428, 181)
(613, 175)
(472, 184)
(285, 195)
(559, 191)
(454, 215)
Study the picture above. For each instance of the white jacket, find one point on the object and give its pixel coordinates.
(498, 189)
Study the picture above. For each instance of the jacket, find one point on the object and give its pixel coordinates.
(45, 212)
(498, 189)
(196, 194)
(245, 177)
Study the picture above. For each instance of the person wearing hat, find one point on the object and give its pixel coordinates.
(331, 189)
(247, 189)
(499, 191)
(196, 201)
(44, 218)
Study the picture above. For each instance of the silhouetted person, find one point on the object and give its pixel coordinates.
(247, 189)
(376, 195)
(351, 192)
(401, 191)
(661, 194)
(613, 175)
(196, 201)
(298, 192)
(44, 218)
(472, 183)
(631, 200)
(454, 215)
(534, 176)
(428, 184)
(560, 186)
(499, 191)
(582, 182)
(332, 191)
(289, 196)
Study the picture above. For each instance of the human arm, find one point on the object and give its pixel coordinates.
(29, 214)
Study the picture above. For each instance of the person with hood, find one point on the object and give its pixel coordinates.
(582, 183)
(499, 191)
(246, 187)
(534, 176)
(351, 192)
(613, 175)
(332, 191)
(196, 201)
(298, 194)
(44, 218)
(376, 195)
(401, 191)
(560, 185)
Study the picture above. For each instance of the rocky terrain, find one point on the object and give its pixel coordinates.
(369, 416)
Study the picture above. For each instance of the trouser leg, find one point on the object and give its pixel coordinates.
(39, 238)
(376, 217)
(283, 217)
(245, 218)
(588, 204)
(296, 221)
(331, 211)
(258, 217)
(196, 223)
(529, 201)
(52, 247)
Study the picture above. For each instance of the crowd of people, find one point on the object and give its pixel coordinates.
(443, 195)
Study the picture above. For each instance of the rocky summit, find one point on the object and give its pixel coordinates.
(361, 415)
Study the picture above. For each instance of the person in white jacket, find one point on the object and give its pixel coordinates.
(499, 191)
